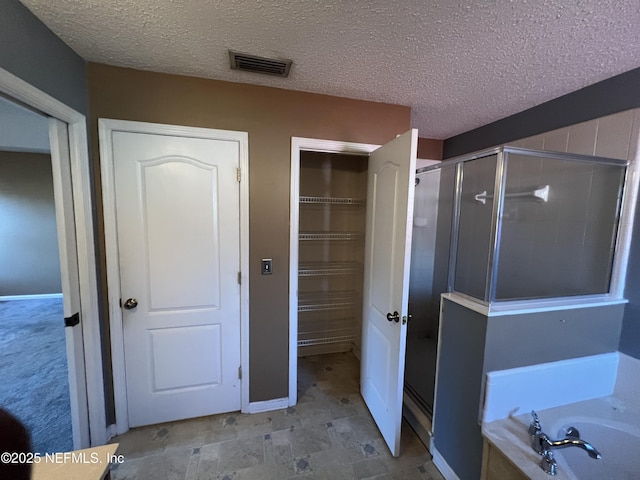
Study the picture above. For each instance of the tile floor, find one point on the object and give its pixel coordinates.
(329, 434)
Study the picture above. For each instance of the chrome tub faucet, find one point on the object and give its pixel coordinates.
(543, 445)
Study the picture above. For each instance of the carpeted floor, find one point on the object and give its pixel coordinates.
(33, 371)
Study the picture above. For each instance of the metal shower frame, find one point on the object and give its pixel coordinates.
(502, 154)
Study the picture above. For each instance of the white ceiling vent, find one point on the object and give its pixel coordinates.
(255, 64)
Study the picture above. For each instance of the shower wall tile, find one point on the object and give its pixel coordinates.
(535, 143)
(634, 147)
(614, 135)
(632, 192)
(557, 140)
(582, 138)
(609, 136)
(554, 237)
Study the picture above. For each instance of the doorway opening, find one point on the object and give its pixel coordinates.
(66, 137)
(33, 355)
(331, 252)
(332, 300)
(331, 228)
(328, 199)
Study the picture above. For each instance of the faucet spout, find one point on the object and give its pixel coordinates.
(573, 442)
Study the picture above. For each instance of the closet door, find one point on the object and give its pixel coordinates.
(391, 183)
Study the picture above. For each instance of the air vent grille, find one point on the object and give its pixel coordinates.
(255, 64)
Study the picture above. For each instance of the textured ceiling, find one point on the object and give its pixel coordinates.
(457, 64)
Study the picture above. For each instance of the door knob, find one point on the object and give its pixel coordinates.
(130, 303)
(393, 316)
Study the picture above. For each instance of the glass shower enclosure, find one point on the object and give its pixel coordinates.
(429, 273)
(504, 227)
(535, 225)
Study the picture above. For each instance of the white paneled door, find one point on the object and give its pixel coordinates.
(386, 284)
(177, 202)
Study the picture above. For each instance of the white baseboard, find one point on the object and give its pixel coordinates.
(268, 405)
(39, 296)
(442, 465)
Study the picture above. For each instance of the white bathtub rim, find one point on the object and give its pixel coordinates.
(572, 421)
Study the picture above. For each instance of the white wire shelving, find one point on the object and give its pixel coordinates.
(326, 269)
(328, 317)
(317, 301)
(330, 236)
(324, 331)
(331, 201)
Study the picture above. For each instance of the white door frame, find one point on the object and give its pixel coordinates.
(91, 416)
(299, 144)
(106, 128)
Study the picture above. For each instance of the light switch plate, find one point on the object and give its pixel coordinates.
(267, 266)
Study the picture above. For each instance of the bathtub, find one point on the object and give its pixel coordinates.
(611, 423)
(617, 442)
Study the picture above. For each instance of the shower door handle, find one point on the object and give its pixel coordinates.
(395, 316)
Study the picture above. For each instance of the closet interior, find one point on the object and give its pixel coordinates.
(332, 195)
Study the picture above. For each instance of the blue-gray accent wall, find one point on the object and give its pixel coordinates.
(32, 52)
(472, 344)
(607, 97)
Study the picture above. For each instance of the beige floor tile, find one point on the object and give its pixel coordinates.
(328, 435)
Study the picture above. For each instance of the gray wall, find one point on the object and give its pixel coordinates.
(528, 339)
(21, 129)
(613, 95)
(459, 378)
(472, 345)
(29, 258)
(29, 50)
(630, 338)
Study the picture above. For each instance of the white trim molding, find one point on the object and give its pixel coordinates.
(37, 296)
(267, 405)
(93, 430)
(442, 465)
(106, 128)
(299, 144)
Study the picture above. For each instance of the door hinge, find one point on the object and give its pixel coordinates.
(239, 278)
(240, 372)
(73, 320)
(238, 174)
